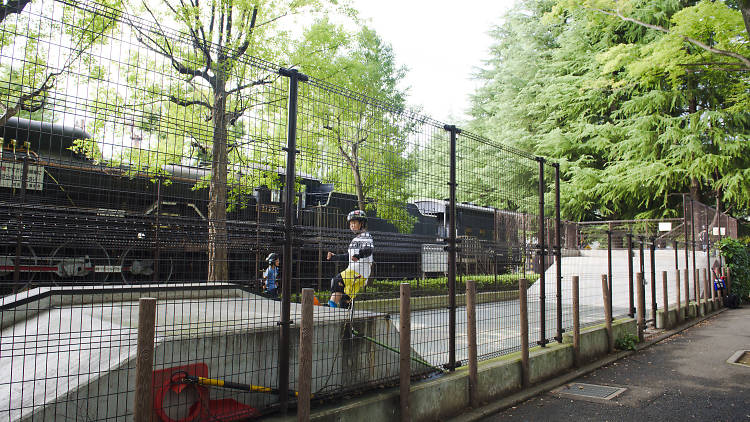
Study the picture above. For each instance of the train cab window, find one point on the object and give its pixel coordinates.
(275, 195)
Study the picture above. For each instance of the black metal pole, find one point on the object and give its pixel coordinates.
(708, 246)
(687, 234)
(642, 264)
(542, 251)
(157, 251)
(721, 264)
(631, 300)
(454, 131)
(609, 265)
(692, 226)
(653, 279)
(558, 254)
(286, 265)
(19, 216)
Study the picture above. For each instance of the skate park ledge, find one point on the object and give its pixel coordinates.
(448, 396)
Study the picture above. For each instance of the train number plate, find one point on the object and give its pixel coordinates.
(11, 175)
(108, 268)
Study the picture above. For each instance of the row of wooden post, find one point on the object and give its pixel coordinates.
(147, 313)
(147, 316)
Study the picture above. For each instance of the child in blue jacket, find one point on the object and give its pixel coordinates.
(270, 276)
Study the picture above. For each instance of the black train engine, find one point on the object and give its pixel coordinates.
(77, 221)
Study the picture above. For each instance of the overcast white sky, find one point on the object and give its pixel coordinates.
(441, 42)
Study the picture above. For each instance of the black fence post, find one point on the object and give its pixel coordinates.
(609, 267)
(641, 262)
(454, 131)
(631, 300)
(542, 252)
(157, 229)
(653, 279)
(708, 242)
(286, 264)
(692, 227)
(558, 254)
(721, 263)
(687, 236)
(19, 216)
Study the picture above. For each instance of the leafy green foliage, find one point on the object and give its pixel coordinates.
(367, 139)
(626, 342)
(633, 114)
(30, 79)
(737, 256)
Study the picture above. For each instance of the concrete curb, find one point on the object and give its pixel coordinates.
(521, 396)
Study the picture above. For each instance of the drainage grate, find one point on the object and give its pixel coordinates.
(590, 391)
(741, 357)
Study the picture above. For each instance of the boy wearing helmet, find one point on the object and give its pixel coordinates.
(271, 275)
(345, 285)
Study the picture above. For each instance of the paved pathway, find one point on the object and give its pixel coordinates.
(685, 377)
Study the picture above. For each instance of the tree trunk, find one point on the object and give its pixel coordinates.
(695, 190)
(217, 200)
(692, 108)
(715, 221)
(358, 187)
(745, 9)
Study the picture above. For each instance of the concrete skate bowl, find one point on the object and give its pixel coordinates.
(69, 353)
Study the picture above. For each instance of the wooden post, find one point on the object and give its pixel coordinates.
(405, 351)
(697, 282)
(471, 327)
(664, 300)
(576, 323)
(304, 381)
(608, 313)
(641, 305)
(524, 311)
(677, 287)
(707, 285)
(144, 361)
(686, 283)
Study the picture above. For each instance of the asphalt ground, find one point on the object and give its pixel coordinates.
(683, 377)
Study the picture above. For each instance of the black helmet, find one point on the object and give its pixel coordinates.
(272, 257)
(358, 215)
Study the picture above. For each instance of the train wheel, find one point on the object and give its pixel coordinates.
(138, 266)
(78, 262)
(29, 263)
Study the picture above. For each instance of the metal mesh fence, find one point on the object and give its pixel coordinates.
(134, 165)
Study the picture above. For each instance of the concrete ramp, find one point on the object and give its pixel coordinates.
(591, 264)
(72, 356)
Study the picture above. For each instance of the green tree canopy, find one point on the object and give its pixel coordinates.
(359, 144)
(33, 39)
(632, 112)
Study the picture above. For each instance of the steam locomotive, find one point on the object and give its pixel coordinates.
(78, 221)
